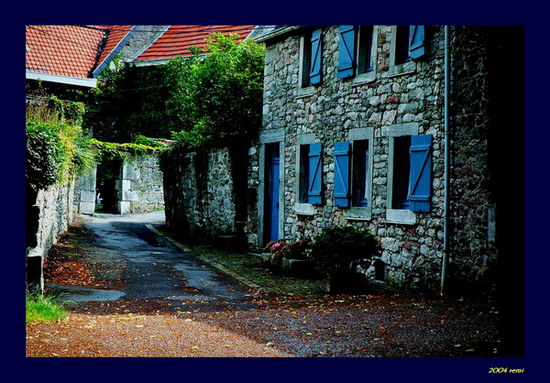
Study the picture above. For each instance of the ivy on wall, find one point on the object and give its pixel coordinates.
(124, 151)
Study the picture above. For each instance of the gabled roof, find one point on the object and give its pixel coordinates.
(177, 40)
(72, 54)
(68, 51)
(118, 35)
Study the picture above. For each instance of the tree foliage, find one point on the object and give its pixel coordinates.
(218, 98)
(212, 98)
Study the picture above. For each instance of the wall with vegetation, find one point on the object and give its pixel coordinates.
(57, 150)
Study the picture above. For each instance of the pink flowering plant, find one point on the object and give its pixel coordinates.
(294, 250)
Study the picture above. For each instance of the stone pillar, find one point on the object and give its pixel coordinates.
(124, 185)
(85, 192)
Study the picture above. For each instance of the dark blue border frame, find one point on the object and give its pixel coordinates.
(531, 13)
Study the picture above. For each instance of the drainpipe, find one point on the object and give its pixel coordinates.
(445, 260)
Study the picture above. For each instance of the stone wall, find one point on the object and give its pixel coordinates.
(410, 97)
(49, 214)
(139, 188)
(199, 194)
(486, 156)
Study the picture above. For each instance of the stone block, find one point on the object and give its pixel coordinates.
(86, 207)
(130, 172)
(123, 185)
(127, 196)
(87, 182)
(124, 207)
(87, 196)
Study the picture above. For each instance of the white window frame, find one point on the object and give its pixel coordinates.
(399, 216)
(303, 91)
(302, 208)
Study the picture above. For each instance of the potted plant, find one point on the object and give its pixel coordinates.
(289, 257)
(337, 249)
(271, 253)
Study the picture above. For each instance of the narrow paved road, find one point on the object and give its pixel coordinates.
(150, 266)
(154, 299)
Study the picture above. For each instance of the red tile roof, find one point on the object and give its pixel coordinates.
(116, 34)
(177, 40)
(64, 50)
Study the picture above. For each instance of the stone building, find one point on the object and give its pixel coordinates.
(401, 131)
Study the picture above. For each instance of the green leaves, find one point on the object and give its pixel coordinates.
(218, 97)
(55, 151)
(212, 98)
(44, 155)
(337, 246)
(112, 150)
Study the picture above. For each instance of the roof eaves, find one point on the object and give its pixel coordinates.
(149, 62)
(87, 82)
(260, 30)
(278, 32)
(97, 71)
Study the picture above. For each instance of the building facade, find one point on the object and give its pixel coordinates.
(389, 129)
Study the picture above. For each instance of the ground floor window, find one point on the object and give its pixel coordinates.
(360, 173)
(409, 173)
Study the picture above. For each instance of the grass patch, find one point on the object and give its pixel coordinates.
(43, 308)
(254, 270)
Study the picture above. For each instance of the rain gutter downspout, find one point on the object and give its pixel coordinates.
(445, 260)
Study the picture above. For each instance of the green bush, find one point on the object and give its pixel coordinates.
(55, 152)
(337, 247)
(45, 154)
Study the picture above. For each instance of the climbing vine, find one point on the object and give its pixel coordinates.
(125, 151)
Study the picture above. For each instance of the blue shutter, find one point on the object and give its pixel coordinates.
(316, 57)
(315, 178)
(420, 180)
(416, 41)
(346, 60)
(342, 151)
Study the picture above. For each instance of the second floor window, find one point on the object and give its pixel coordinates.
(355, 50)
(311, 62)
(364, 49)
(409, 43)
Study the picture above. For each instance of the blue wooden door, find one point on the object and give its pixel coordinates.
(272, 193)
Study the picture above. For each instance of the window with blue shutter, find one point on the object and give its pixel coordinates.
(315, 174)
(346, 58)
(342, 151)
(316, 57)
(416, 41)
(401, 172)
(420, 180)
(401, 53)
(303, 176)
